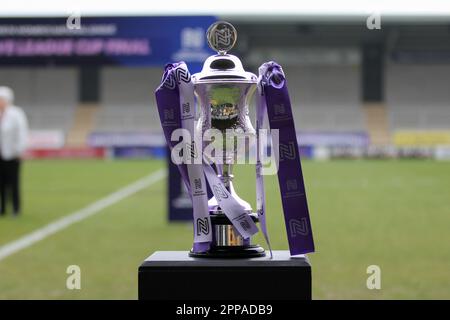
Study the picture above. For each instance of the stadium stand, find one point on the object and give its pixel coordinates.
(417, 96)
(327, 99)
(377, 123)
(32, 87)
(83, 124)
(128, 105)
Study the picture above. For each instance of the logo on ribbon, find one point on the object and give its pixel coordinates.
(291, 185)
(198, 187)
(169, 114)
(182, 75)
(176, 76)
(279, 109)
(287, 151)
(197, 183)
(202, 226)
(298, 227)
(170, 83)
(219, 192)
(245, 225)
(186, 107)
(280, 112)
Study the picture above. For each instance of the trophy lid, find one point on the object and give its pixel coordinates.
(223, 67)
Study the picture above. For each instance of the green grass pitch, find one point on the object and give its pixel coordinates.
(394, 214)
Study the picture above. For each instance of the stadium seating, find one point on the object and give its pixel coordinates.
(32, 88)
(83, 124)
(326, 98)
(377, 123)
(127, 100)
(129, 105)
(418, 96)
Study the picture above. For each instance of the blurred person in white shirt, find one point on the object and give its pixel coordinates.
(13, 141)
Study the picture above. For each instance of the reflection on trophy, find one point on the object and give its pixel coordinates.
(224, 90)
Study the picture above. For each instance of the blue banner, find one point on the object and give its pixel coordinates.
(123, 41)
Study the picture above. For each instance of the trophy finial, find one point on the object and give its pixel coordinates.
(221, 36)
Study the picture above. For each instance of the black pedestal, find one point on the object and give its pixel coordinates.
(173, 275)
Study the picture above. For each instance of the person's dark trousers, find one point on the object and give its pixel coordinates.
(2, 187)
(10, 184)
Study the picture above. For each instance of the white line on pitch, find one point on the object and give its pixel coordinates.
(60, 224)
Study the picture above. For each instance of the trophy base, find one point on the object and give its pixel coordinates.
(227, 243)
(251, 251)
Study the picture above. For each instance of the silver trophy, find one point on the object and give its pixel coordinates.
(224, 90)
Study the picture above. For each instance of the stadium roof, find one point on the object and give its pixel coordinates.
(431, 10)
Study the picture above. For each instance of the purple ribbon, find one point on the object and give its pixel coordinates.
(290, 178)
(177, 111)
(168, 101)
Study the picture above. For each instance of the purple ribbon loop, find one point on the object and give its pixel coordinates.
(175, 100)
(274, 89)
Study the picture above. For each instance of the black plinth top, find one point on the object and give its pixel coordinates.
(181, 258)
(173, 275)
